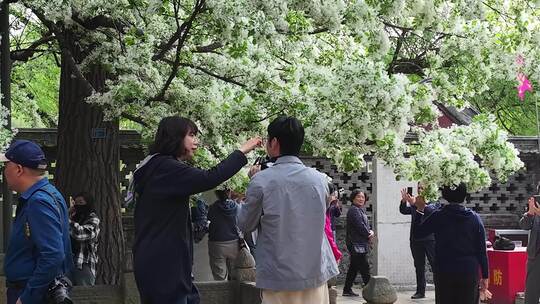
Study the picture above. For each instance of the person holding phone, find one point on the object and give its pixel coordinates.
(287, 202)
(531, 221)
(460, 247)
(421, 247)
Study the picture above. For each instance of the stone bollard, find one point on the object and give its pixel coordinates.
(379, 291)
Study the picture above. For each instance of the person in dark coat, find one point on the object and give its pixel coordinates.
(421, 247)
(223, 236)
(531, 221)
(460, 248)
(163, 246)
(335, 209)
(358, 238)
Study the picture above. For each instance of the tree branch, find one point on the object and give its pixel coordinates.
(25, 54)
(498, 11)
(135, 119)
(208, 48)
(75, 69)
(403, 28)
(66, 53)
(268, 116)
(502, 122)
(318, 31)
(410, 66)
(399, 44)
(99, 21)
(210, 73)
(184, 28)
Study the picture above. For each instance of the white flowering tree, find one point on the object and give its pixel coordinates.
(358, 73)
(6, 135)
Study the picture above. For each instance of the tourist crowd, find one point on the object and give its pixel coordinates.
(286, 220)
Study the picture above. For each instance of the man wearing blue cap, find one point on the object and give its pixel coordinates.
(39, 248)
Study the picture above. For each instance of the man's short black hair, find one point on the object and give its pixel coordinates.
(454, 194)
(289, 132)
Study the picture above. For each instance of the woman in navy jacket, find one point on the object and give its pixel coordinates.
(163, 247)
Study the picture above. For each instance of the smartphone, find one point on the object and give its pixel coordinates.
(537, 199)
(409, 190)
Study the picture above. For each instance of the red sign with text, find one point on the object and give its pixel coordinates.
(507, 271)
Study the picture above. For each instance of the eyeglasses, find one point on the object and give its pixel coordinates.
(266, 140)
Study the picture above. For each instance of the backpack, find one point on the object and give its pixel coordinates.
(502, 243)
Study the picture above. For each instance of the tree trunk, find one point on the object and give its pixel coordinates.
(88, 160)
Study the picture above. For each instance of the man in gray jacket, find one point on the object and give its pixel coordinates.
(531, 221)
(288, 201)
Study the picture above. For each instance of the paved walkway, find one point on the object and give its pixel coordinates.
(404, 297)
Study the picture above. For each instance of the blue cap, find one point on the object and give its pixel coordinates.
(25, 153)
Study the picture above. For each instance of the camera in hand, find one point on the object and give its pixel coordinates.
(265, 161)
(58, 292)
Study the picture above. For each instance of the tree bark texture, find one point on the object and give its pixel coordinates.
(88, 159)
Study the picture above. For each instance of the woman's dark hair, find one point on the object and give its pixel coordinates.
(454, 194)
(170, 135)
(332, 188)
(289, 132)
(222, 194)
(84, 211)
(355, 192)
(88, 198)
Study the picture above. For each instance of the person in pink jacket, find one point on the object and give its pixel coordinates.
(333, 200)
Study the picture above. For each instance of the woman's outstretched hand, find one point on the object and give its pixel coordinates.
(251, 144)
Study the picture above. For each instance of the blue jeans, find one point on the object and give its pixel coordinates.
(13, 295)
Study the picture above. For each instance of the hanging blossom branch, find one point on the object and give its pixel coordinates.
(184, 31)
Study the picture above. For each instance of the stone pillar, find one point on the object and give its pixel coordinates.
(392, 254)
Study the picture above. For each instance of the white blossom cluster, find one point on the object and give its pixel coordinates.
(327, 62)
(6, 135)
(468, 154)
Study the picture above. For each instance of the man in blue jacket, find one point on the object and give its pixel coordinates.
(39, 247)
(421, 247)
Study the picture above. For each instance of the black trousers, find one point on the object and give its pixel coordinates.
(358, 263)
(454, 288)
(13, 295)
(420, 250)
